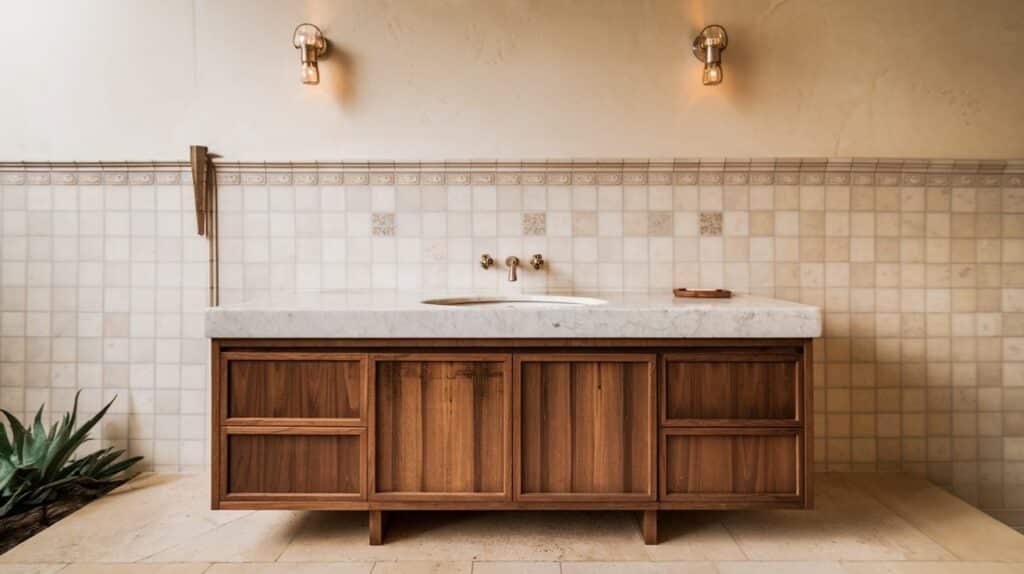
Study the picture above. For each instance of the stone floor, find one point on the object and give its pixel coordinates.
(863, 524)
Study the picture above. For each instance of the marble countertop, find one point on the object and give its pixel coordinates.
(401, 314)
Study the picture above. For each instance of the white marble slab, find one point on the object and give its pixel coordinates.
(394, 314)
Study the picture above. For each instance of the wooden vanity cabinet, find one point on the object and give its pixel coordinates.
(511, 424)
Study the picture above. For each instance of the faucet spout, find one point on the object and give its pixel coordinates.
(512, 262)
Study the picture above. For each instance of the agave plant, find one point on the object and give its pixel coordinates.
(37, 467)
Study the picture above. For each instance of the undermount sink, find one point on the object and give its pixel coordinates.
(515, 301)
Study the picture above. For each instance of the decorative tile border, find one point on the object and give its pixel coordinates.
(704, 172)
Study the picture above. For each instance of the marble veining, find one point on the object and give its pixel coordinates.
(401, 314)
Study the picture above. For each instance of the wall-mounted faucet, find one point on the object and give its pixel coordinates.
(512, 262)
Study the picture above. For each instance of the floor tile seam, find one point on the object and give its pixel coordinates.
(957, 558)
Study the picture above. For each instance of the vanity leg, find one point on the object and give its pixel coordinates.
(649, 526)
(378, 523)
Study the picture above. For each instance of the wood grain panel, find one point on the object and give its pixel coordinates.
(295, 464)
(295, 389)
(586, 426)
(749, 464)
(441, 427)
(734, 389)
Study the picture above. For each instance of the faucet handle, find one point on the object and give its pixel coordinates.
(486, 261)
(537, 261)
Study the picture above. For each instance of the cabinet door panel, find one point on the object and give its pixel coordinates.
(755, 465)
(723, 389)
(288, 466)
(441, 427)
(587, 426)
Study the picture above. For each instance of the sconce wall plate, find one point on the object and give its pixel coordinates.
(708, 47)
(310, 42)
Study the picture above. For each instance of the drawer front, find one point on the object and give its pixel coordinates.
(329, 464)
(722, 464)
(299, 388)
(586, 427)
(721, 389)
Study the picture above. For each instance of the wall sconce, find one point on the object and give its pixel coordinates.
(311, 44)
(708, 47)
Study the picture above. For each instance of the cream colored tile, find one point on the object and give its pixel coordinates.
(292, 568)
(260, 537)
(423, 568)
(752, 567)
(637, 568)
(485, 536)
(149, 515)
(516, 568)
(951, 522)
(845, 524)
(30, 568)
(180, 568)
(932, 568)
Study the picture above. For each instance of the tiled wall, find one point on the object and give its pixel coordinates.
(919, 267)
(102, 287)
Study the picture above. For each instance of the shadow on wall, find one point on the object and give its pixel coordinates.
(340, 75)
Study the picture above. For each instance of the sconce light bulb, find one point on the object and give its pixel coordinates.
(311, 44)
(712, 74)
(310, 73)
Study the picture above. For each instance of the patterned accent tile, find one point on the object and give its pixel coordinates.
(534, 223)
(382, 224)
(711, 224)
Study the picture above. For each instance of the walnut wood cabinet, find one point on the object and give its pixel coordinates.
(628, 424)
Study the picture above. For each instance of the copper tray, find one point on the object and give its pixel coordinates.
(703, 293)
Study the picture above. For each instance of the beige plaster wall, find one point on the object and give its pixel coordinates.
(438, 79)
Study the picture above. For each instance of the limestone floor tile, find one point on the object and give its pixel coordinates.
(30, 568)
(259, 537)
(292, 568)
(846, 524)
(750, 567)
(485, 536)
(693, 536)
(933, 568)
(151, 514)
(957, 526)
(102, 568)
(422, 567)
(517, 568)
(637, 568)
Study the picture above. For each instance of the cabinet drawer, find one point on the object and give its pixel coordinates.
(294, 388)
(726, 388)
(295, 463)
(759, 465)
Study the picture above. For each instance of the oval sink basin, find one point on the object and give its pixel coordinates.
(515, 301)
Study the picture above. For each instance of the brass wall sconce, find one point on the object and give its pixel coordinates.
(311, 44)
(708, 47)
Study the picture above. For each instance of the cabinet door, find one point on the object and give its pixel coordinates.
(441, 427)
(586, 427)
